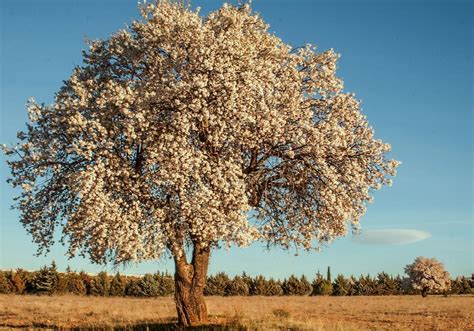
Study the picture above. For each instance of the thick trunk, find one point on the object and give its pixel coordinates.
(190, 279)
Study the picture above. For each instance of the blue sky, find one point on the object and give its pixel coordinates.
(411, 63)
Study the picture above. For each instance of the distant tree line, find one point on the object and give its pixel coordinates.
(49, 281)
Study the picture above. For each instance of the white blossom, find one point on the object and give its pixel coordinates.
(178, 128)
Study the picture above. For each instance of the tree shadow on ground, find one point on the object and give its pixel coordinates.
(175, 327)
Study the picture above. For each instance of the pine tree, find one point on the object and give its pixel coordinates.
(117, 286)
(386, 284)
(321, 286)
(75, 283)
(340, 286)
(100, 284)
(134, 288)
(165, 283)
(295, 286)
(45, 281)
(17, 281)
(149, 286)
(216, 284)
(237, 286)
(4, 284)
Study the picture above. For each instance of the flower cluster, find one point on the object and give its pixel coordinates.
(184, 129)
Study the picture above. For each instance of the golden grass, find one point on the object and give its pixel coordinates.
(256, 313)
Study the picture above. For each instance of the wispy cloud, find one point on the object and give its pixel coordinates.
(390, 236)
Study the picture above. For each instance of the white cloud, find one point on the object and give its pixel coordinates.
(390, 236)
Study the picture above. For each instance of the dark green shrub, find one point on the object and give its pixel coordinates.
(262, 286)
(75, 284)
(165, 284)
(18, 281)
(149, 286)
(87, 281)
(134, 288)
(341, 286)
(237, 286)
(4, 283)
(365, 285)
(45, 281)
(216, 284)
(117, 286)
(461, 285)
(386, 284)
(100, 284)
(295, 286)
(321, 286)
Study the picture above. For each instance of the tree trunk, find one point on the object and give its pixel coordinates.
(190, 279)
(424, 292)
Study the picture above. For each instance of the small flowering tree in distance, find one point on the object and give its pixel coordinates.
(185, 133)
(428, 275)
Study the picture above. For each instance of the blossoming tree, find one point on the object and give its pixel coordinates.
(182, 134)
(428, 275)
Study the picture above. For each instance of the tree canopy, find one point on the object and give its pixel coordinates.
(182, 129)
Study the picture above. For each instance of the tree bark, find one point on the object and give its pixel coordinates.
(190, 279)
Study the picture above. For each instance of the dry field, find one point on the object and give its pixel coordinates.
(244, 313)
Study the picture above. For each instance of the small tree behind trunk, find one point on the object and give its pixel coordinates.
(190, 280)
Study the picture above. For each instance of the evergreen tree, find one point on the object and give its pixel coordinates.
(328, 276)
(386, 284)
(45, 281)
(248, 280)
(341, 286)
(460, 285)
(237, 286)
(117, 286)
(87, 281)
(351, 281)
(321, 286)
(75, 283)
(274, 287)
(100, 284)
(295, 286)
(149, 286)
(17, 281)
(4, 283)
(134, 288)
(165, 283)
(216, 284)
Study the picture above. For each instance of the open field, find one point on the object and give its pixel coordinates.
(314, 313)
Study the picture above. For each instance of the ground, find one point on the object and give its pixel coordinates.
(240, 313)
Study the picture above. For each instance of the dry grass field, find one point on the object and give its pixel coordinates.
(244, 313)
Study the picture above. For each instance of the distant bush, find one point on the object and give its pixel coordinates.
(216, 284)
(117, 286)
(165, 284)
(45, 281)
(321, 286)
(341, 286)
(48, 280)
(75, 283)
(237, 286)
(261, 286)
(100, 284)
(150, 287)
(4, 284)
(461, 285)
(134, 288)
(296, 286)
(385, 284)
